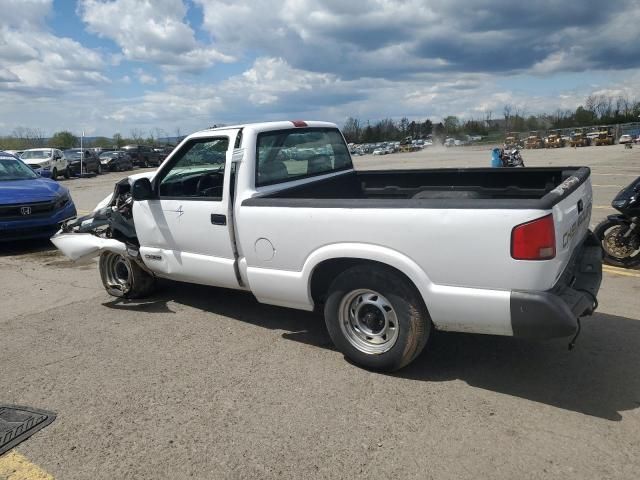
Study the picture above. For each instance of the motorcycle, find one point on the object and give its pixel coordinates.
(620, 234)
(503, 159)
(512, 158)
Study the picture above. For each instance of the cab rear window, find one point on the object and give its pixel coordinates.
(293, 154)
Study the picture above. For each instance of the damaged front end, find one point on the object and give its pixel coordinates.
(108, 228)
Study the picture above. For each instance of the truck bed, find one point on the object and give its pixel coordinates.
(531, 188)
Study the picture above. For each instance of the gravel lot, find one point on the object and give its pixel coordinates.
(207, 383)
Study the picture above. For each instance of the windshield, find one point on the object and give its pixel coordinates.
(35, 154)
(14, 169)
(72, 154)
(109, 154)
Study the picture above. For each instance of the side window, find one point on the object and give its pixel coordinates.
(298, 153)
(197, 170)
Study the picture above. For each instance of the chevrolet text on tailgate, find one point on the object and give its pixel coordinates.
(278, 210)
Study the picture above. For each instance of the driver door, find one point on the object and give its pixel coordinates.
(183, 232)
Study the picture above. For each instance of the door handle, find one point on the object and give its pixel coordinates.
(217, 219)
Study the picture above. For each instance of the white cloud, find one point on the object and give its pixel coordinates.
(396, 38)
(24, 12)
(323, 59)
(269, 78)
(272, 89)
(144, 78)
(150, 31)
(34, 61)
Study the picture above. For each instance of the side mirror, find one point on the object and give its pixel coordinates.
(142, 190)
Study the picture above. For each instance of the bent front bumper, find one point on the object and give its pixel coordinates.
(555, 313)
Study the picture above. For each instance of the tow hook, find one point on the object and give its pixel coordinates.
(572, 343)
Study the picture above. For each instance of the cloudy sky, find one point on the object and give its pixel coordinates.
(109, 66)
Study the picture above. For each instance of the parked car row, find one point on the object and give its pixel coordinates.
(385, 148)
(55, 162)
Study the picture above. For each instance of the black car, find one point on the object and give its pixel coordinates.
(143, 155)
(90, 162)
(116, 161)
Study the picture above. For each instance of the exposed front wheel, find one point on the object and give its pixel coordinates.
(54, 173)
(620, 247)
(376, 317)
(67, 173)
(123, 277)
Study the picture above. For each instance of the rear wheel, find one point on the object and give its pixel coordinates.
(123, 277)
(619, 250)
(376, 317)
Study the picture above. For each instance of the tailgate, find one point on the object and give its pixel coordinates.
(571, 217)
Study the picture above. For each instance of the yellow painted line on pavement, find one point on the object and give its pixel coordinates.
(621, 271)
(14, 466)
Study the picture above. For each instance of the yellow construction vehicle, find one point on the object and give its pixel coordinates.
(554, 139)
(579, 138)
(406, 145)
(511, 141)
(605, 136)
(533, 141)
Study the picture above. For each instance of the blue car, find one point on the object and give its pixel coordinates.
(30, 206)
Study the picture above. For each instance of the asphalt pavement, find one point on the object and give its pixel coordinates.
(199, 382)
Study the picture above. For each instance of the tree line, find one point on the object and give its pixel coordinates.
(596, 110)
(22, 138)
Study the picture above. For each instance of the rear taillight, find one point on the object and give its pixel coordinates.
(534, 240)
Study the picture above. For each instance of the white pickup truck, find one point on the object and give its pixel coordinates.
(277, 209)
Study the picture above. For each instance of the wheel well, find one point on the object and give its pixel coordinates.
(326, 272)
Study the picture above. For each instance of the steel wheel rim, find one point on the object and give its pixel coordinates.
(118, 272)
(368, 321)
(613, 247)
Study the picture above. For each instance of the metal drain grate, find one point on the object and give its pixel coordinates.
(19, 423)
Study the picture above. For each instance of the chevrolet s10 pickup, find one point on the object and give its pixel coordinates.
(277, 209)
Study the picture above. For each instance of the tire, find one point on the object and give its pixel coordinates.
(99, 169)
(381, 299)
(614, 253)
(54, 173)
(123, 278)
(67, 173)
(146, 163)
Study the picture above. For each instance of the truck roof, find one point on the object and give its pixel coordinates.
(279, 125)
